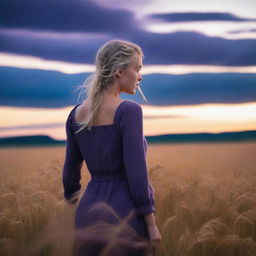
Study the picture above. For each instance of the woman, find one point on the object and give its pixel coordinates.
(107, 132)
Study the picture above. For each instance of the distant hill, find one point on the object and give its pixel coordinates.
(34, 140)
(42, 140)
(204, 137)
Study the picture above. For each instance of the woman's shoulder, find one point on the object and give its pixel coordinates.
(129, 111)
(131, 105)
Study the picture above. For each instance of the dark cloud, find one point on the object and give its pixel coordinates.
(195, 48)
(197, 16)
(198, 88)
(62, 47)
(173, 48)
(192, 48)
(63, 16)
(73, 31)
(49, 89)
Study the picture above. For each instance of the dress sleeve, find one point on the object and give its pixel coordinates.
(71, 174)
(134, 154)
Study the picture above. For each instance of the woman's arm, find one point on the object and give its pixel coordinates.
(131, 125)
(72, 167)
(150, 219)
(136, 168)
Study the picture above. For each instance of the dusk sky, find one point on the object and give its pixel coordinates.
(199, 70)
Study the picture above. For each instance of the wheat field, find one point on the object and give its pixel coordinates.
(205, 200)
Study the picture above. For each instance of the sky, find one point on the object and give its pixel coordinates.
(199, 69)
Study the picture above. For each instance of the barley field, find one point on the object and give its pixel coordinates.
(205, 200)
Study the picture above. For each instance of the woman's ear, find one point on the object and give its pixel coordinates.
(119, 72)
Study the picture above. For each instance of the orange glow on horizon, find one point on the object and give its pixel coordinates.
(212, 118)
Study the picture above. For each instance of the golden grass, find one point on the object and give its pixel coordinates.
(205, 200)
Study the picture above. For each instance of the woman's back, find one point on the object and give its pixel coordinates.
(102, 147)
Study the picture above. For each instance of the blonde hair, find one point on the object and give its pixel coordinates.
(113, 55)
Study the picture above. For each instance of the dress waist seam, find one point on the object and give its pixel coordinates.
(109, 177)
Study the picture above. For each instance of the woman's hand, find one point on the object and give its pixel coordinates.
(154, 235)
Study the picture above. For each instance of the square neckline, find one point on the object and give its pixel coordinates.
(104, 125)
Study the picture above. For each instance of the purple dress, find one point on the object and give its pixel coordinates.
(115, 156)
